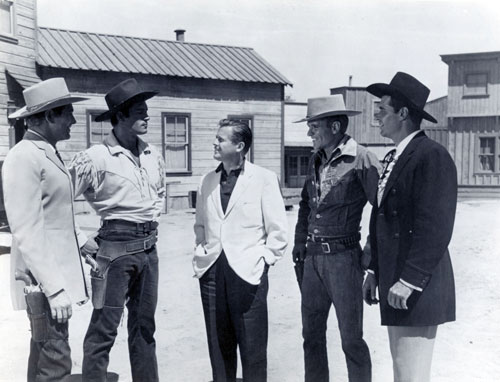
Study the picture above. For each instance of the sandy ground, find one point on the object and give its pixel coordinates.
(466, 350)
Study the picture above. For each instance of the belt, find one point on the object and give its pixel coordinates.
(119, 248)
(327, 243)
(130, 226)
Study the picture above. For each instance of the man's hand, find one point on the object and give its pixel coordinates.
(398, 295)
(370, 289)
(89, 248)
(299, 253)
(298, 257)
(60, 306)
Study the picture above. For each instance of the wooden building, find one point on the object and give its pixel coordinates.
(198, 84)
(473, 118)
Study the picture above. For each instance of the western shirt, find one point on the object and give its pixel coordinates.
(115, 185)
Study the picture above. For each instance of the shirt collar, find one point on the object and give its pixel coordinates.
(220, 167)
(402, 145)
(115, 147)
(347, 146)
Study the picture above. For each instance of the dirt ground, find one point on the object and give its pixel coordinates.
(466, 350)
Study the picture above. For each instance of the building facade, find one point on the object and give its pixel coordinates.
(198, 84)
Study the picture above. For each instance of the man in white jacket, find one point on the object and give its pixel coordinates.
(241, 229)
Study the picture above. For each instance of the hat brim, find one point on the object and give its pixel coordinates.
(24, 112)
(379, 90)
(348, 113)
(139, 97)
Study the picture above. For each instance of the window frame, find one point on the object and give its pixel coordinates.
(475, 95)
(496, 154)
(250, 153)
(10, 37)
(89, 113)
(188, 144)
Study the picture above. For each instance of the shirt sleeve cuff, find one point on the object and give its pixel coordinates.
(410, 285)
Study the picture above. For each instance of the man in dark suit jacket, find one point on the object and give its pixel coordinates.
(410, 229)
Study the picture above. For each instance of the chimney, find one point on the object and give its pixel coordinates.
(179, 35)
(350, 80)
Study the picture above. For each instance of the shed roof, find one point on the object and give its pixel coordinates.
(448, 58)
(103, 52)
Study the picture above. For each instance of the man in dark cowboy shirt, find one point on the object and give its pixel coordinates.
(342, 176)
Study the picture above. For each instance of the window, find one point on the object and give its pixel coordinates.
(487, 151)
(249, 121)
(96, 131)
(176, 142)
(7, 21)
(375, 110)
(476, 84)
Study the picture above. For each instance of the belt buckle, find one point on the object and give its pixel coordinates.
(145, 244)
(325, 247)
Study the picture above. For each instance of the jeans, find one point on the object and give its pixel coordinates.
(131, 279)
(50, 354)
(235, 315)
(335, 278)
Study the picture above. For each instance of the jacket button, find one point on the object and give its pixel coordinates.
(380, 214)
(394, 213)
(315, 230)
(393, 191)
(314, 199)
(410, 232)
(318, 216)
(396, 235)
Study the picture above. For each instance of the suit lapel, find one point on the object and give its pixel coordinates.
(401, 163)
(240, 187)
(49, 151)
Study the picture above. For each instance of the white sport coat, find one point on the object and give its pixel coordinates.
(38, 200)
(252, 232)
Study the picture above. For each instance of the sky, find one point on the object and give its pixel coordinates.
(315, 44)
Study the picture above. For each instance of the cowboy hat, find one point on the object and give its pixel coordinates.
(122, 95)
(322, 107)
(45, 95)
(407, 87)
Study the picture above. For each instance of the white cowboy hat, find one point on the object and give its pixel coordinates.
(322, 107)
(45, 95)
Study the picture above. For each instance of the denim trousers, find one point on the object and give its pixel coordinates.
(235, 316)
(50, 354)
(335, 278)
(132, 279)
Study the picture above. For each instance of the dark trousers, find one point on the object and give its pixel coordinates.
(133, 279)
(235, 315)
(50, 354)
(334, 278)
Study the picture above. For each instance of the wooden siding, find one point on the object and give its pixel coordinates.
(15, 57)
(462, 136)
(460, 105)
(205, 111)
(361, 126)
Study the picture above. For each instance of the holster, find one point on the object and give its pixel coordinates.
(108, 252)
(37, 309)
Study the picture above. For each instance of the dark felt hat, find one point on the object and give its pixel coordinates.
(407, 87)
(122, 95)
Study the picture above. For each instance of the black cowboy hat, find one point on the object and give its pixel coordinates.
(407, 87)
(122, 95)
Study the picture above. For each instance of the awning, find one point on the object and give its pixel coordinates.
(24, 77)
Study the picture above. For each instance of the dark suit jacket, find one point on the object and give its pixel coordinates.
(410, 231)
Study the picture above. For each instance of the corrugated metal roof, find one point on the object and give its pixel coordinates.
(93, 51)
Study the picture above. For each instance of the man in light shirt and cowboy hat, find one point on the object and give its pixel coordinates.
(38, 200)
(342, 177)
(123, 180)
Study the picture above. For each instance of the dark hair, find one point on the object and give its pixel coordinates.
(343, 119)
(240, 132)
(125, 110)
(38, 118)
(398, 102)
